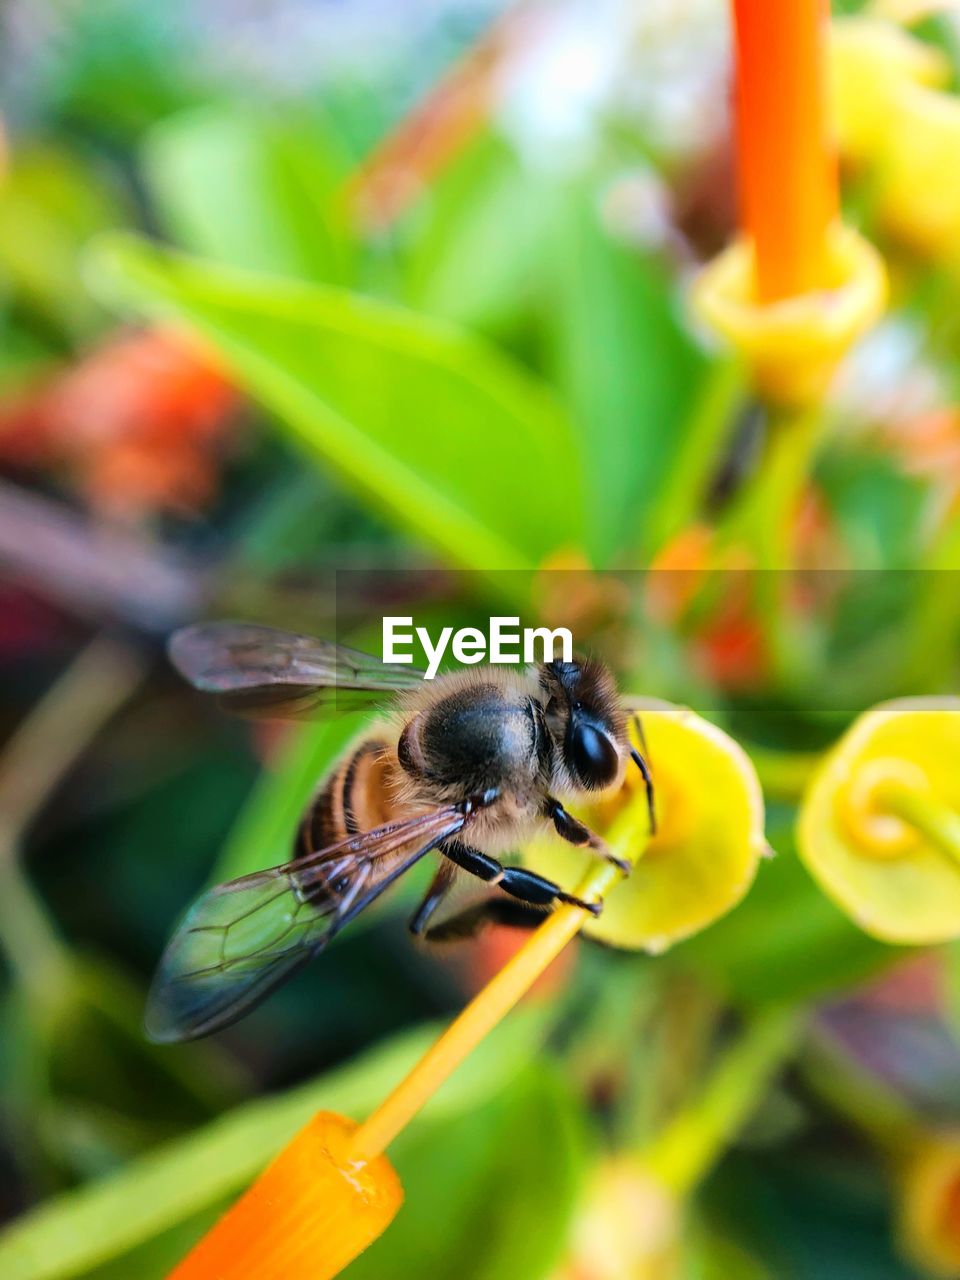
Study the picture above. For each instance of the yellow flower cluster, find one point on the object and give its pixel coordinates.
(897, 122)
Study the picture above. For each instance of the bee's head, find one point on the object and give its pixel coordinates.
(583, 713)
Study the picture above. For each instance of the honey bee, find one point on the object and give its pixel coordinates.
(469, 765)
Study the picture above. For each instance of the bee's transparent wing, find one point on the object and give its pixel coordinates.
(239, 940)
(260, 671)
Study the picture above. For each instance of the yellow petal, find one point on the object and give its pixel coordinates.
(910, 11)
(793, 346)
(870, 61)
(887, 876)
(918, 178)
(710, 835)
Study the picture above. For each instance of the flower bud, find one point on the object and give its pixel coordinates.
(879, 827)
(709, 837)
(793, 345)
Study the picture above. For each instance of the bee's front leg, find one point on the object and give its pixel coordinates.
(573, 831)
(520, 883)
(642, 761)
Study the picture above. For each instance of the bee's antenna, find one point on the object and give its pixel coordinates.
(640, 760)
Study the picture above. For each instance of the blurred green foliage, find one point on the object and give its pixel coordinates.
(503, 376)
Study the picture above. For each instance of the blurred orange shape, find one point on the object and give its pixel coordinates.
(733, 652)
(307, 1216)
(928, 445)
(929, 1203)
(498, 944)
(678, 571)
(137, 423)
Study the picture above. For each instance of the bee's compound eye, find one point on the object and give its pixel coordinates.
(592, 755)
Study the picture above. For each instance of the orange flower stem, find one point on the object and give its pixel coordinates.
(307, 1216)
(463, 1035)
(331, 1191)
(786, 165)
(498, 997)
(436, 129)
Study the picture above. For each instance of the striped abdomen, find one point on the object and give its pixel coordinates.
(356, 797)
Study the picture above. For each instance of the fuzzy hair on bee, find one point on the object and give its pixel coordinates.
(468, 765)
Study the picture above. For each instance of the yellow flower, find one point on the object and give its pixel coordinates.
(879, 827)
(910, 11)
(893, 116)
(918, 178)
(794, 345)
(709, 839)
(870, 63)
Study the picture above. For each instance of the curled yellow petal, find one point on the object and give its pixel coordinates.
(870, 62)
(709, 839)
(879, 827)
(794, 345)
(308, 1215)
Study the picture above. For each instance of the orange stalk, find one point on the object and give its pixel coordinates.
(428, 138)
(331, 1191)
(787, 167)
(479, 1017)
(311, 1212)
(628, 839)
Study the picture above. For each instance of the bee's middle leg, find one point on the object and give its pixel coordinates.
(527, 886)
(573, 831)
(439, 887)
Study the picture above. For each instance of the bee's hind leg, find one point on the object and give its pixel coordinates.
(492, 911)
(439, 886)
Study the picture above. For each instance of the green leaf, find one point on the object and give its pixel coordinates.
(118, 67)
(808, 1211)
(785, 941)
(628, 368)
(51, 203)
(476, 242)
(72, 1233)
(451, 439)
(256, 190)
(488, 1195)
